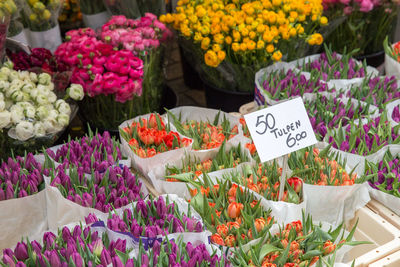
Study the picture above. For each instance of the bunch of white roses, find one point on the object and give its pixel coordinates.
(28, 105)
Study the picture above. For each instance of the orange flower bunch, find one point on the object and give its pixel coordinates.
(232, 214)
(148, 138)
(318, 168)
(250, 146)
(299, 243)
(264, 179)
(223, 160)
(205, 135)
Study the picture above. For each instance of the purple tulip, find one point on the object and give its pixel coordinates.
(77, 259)
(105, 257)
(21, 251)
(116, 262)
(20, 264)
(8, 261)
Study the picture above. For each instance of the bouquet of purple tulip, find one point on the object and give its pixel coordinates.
(280, 85)
(385, 175)
(396, 114)
(365, 139)
(376, 91)
(93, 152)
(329, 112)
(114, 188)
(152, 218)
(79, 247)
(329, 65)
(21, 177)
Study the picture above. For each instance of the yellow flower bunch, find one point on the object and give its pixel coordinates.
(70, 12)
(42, 14)
(7, 7)
(247, 32)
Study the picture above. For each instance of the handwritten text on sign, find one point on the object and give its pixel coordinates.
(280, 129)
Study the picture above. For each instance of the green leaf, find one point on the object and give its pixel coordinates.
(267, 249)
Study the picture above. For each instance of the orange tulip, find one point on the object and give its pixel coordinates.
(133, 143)
(296, 225)
(230, 241)
(294, 245)
(329, 247)
(233, 224)
(222, 230)
(234, 210)
(296, 183)
(259, 224)
(217, 239)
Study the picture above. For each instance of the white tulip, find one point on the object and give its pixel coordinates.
(14, 75)
(24, 75)
(63, 119)
(4, 85)
(33, 77)
(44, 78)
(24, 130)
(29, 112)
(51, 97)
(75, 91)
(5, 70)
(40, 130)
(42, 112)
(41, 99)
(5, 119)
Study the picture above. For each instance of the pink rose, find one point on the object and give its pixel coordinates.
(112, 65)
(150, 15)
(99, 60)
(366, 6)
(347, 10)
(96, 69)
(162, 26)
(125, 92)
(139, 46)
(136, 74)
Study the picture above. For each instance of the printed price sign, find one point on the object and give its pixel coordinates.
(280, 129)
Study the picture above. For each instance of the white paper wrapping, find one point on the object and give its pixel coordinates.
(392, 67)
(389, 111)
(390, 201)
(21, 37)
(96, 20)
(49, 39)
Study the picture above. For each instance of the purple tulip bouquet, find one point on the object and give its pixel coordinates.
(385, 175)
(151, 218)
(329, 112)
(376, 91)
(92, 153)
(329, 65)
(21, 177)
(364, 139)
(280, 84)
(78, 247)
(114, 188)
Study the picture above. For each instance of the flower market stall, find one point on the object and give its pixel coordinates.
(288, 157)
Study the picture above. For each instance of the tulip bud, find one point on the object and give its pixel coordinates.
(36, 246)
(8, 261)
(2, 194)
(9, 192)
(20, 264)
(21, 251)
(116, 262)
(98, 248)
(77, 259)
(105, 257)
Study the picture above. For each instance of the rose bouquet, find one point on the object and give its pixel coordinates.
(231, 41)
(80, 246)
(385, 175)
(114, 188)
(264, 179)
(124, 80)
(330, 112)
(148, 138)
(376, 90)
(42, 20)
(205, 135)
(31, 115)
(363, 24)
(223, 160)
(135, 9)
(233, 215)
(92, 153)
(280, 84)
(299, 243)
(151, 219)
(21, 177)
(364, 139)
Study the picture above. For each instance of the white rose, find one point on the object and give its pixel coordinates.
(17, 114)
(63, 107)
(4, 85)
(42, 112)
(5, 119)
(18, 83)
(51, 126)
(9, 103)
(1, 96)
(53, 114)
(41, 99)
(40, 130)
(75, 91)
(5, 70)
(44, 78)
(24, 130)
(63, 119)
(33, 77)
(50, 86)
(34, 93)
(27, 87)
(3, 77)
(23, 104)
(2, 105)
(24, 75)
(26, 97)
(43, 88)
(17, 96)
(51, 97)
(14, 75)
(11, 90)
(29, 112)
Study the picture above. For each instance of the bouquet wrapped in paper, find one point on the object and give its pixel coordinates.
(16, 29)
(7, 9)
(94, 13)
(42, 19)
